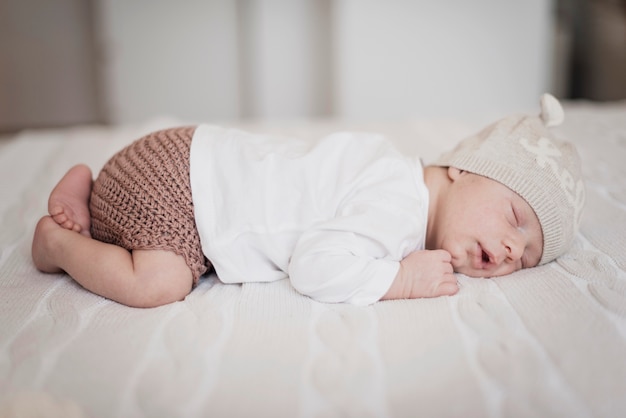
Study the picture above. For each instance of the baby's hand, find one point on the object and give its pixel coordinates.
(424, 274)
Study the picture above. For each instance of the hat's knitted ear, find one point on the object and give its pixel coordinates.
(551, 111)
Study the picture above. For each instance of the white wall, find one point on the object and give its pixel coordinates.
(162, 57)
(204, 60)
(356, 59)
(405, 58)
(285, 58)
(217, 59)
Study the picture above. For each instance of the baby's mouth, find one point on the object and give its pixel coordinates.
(481, 258)
(485, 256)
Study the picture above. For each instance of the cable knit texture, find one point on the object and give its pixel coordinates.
(542, 342)
(142, 198)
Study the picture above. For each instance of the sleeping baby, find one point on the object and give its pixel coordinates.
(347, 218)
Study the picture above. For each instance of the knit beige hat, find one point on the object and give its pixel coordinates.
(521, 153)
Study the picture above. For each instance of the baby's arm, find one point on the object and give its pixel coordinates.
(423, 274)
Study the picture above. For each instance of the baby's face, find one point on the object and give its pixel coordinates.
(487, 228)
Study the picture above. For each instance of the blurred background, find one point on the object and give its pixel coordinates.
(65, 62)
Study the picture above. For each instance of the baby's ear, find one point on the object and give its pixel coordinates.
(454, 173)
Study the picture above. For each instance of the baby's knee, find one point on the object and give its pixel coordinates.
(154, 292)
(160, 283)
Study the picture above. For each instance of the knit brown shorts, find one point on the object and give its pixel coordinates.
(141, 199)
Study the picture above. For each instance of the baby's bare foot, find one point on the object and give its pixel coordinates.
(43, 245)
(68, 204)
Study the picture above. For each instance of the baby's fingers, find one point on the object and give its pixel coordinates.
(443, 255)
(446, 288)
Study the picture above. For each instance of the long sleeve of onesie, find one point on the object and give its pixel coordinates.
(335, 216)
(354, 256)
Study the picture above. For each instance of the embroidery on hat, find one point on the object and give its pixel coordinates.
(546, 153)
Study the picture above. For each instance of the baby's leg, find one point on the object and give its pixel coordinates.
(141, 278)
(68, 203)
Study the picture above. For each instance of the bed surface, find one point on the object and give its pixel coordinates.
(544, 342)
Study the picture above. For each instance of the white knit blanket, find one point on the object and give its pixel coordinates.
(549, 341)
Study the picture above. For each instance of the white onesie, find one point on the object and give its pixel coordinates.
(336, 216)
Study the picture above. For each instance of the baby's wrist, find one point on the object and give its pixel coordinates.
(398, 288)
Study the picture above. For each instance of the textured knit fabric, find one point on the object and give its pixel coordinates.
(521, 153)
(335, 215)
(142, 198)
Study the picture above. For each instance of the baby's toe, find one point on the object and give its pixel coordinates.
(68, 224)
(55, 210)
(60, 218)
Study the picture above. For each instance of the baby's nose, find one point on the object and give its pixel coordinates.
(513, 250)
